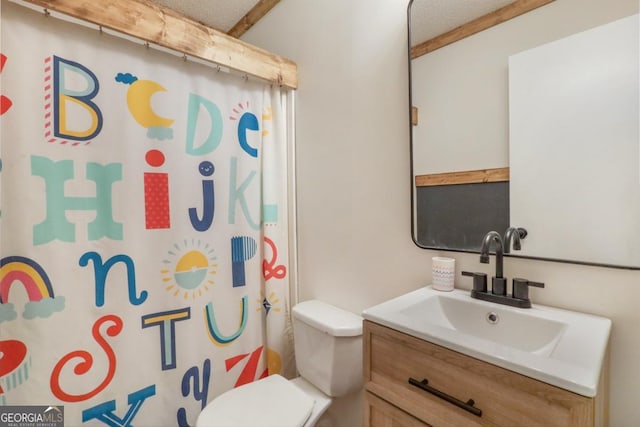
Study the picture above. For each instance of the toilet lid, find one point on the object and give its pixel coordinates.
(270, 402)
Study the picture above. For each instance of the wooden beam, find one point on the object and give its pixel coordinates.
(254, 15)
(496, 17)
(414, 116)
(463, 177)
(164, 27)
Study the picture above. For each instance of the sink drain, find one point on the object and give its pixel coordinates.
(492, 318)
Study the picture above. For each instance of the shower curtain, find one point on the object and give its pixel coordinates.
(144, 260)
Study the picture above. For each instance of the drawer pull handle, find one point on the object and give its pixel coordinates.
(467, 406)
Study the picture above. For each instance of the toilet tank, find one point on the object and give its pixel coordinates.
(328, 347)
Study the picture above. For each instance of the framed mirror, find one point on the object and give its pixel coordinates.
(477, 164)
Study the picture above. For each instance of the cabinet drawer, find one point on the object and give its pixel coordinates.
(504, 397)
(380, 413)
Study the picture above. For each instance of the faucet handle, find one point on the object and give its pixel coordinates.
(521, 288)
(479, 281)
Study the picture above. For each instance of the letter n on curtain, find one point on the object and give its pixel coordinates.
(143, 227)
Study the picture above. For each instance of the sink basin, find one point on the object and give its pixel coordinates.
(517, 330)
(560, 347)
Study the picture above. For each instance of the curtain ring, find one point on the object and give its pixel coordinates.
(46, 12)
(146, 45)
(184, 57)
(100, 28)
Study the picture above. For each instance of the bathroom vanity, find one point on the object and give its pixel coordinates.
(504, 398)
(417, 373)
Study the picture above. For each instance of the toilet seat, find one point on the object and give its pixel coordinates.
(270, 402)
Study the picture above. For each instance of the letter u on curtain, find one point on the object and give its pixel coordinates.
(144, 259)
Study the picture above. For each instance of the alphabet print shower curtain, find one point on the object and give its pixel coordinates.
(143, 227)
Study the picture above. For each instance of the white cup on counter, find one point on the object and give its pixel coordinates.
(443, 272)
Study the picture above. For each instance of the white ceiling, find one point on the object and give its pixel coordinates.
(429, 17)
(219, 14)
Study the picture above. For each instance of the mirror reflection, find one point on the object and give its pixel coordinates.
(489, 151)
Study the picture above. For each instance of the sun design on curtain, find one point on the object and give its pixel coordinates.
(144, 230)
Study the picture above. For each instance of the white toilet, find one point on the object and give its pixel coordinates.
(328, 348)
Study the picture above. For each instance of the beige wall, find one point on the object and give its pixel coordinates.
(353, 182)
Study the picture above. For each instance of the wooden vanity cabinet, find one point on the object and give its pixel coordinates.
(505, 398)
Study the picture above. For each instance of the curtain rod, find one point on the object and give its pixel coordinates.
(164, 28)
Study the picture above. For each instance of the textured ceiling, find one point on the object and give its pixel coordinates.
(219, 14)
(429, 17)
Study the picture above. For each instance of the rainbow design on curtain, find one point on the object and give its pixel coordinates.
(143, 227)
